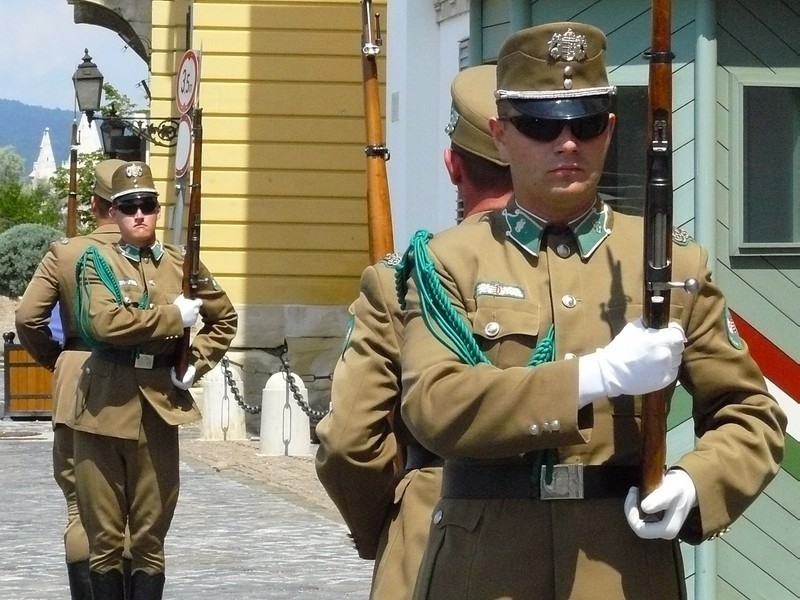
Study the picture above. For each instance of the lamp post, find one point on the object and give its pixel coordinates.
(122, 135)
(88, 82)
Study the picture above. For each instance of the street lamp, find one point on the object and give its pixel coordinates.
(88, 82)
(122, 135)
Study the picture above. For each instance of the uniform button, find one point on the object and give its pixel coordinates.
(151, 283)
(568, 301)
(569, 356)
(555, 425)
(126, 300)
(151, 305)
(437, 517)
(546, 427)
(87, 370)
(492, 329)
(563, 250)
(533, 429)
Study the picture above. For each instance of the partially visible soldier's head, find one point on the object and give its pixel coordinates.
(134, 203)
(555, 122)
(473, 105)
(101, 191)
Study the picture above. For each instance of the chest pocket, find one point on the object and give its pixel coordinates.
(133, 294)
(506, 330)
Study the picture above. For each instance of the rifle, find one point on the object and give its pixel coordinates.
(658, 240)
(379, 215)
(72, 198)
(191, 262)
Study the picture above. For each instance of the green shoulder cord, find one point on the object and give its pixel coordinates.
(83, 298)
(438, 313)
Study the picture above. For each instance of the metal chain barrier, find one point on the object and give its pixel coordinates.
(230, 383)
(312, 413)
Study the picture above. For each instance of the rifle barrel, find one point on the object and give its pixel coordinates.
(379, 215)
(657, 236)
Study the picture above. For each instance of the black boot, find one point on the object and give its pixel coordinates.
(126, 577)
(145, 586)
(79, 586)
(108, 585)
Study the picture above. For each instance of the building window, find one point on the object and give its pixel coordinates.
(765, 170)
(463, 54)
(622, 182)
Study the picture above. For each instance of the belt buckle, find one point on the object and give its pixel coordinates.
(567, 483)
(143, 361)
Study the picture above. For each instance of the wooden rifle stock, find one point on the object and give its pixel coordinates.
(379, 214)
(657, 236)
(191, 261)
(72, 198)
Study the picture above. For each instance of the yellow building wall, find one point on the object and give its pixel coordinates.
(283, 179)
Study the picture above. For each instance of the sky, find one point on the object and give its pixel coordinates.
(40, 47)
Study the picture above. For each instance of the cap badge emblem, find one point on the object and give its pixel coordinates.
(568, 46)
(134, 171)
(451, 126)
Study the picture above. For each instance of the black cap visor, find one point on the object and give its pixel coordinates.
(563, 108)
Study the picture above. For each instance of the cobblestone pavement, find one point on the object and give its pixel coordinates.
(246, 527)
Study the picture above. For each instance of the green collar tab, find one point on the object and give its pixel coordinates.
(135, 253)
(590, 229)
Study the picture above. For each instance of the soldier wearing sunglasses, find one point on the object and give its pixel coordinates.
(384, 482)
(130, 401)
(524, 362)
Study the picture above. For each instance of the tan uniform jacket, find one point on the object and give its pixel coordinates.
(363, 438)
(498, 412)
(110, 393)
(54, 281)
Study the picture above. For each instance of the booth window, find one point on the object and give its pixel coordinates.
(765, 174)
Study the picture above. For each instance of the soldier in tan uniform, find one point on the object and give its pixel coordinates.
(524, 363)
(53, 285)
(383, 482)
(130, 400)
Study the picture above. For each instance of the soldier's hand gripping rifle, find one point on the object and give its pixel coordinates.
(658, 240)
(379, 214)
(191, 262)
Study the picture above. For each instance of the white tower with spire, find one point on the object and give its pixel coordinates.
(45, 165)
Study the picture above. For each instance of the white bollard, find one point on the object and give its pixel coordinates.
(223, 418)
(285, 428)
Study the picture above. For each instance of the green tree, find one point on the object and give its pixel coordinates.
(12, 166)
(21, 249)
(20, 204)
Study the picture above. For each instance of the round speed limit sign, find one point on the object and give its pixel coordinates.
(188, 81)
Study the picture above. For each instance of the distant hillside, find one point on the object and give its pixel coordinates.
(22, 126)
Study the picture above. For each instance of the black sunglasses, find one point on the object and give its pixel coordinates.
(546, 130)
(147, 205)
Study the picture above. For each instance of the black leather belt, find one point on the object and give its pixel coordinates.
(76, 345)
(419, 457)
(569, 482)
(132, 358)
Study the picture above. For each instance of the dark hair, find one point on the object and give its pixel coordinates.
(102, 205)
(483, 173)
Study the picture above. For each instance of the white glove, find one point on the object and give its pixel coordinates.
(676, 496)
(190, 309)
(188, 378)
(637, 361)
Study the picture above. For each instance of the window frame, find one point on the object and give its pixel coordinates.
(740, 80)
